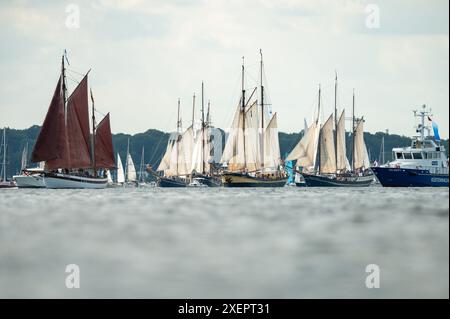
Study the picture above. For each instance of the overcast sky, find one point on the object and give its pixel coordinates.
(146, 54)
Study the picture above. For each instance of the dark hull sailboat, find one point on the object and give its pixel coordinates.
(246, 180)
(73, 154)
(337, 181)
(252, 151)
(171, 182)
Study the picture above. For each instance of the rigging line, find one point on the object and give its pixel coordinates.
(76, 72)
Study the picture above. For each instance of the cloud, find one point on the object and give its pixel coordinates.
(146, 54)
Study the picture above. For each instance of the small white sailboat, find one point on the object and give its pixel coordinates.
(32, 177)
(130, 169)
(120, 173)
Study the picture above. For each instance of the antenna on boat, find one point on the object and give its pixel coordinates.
(262, 109)
(93, 135)
(335, 118)
(203, 130)
(353, 131)
(193, 110)
(243, 110)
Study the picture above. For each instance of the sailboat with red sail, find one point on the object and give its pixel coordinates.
(74, 156)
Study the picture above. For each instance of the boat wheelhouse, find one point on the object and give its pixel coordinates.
(424, 163)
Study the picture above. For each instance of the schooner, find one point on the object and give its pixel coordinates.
(321, 156)
(252, 152)
(74, 156)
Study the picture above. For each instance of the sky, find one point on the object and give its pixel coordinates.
(144, 55)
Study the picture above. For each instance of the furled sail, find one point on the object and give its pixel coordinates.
(104, 153)
(120, 173)
(326, 148)
(304, 151)
(360, 151)
(131, 170)
(342, 161)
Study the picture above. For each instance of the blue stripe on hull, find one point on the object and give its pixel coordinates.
(401, 177)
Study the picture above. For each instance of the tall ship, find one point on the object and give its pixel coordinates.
(173, 169)
(202, 166)
(74, 156)
(251, 157)
(423, 164)
(321, 156)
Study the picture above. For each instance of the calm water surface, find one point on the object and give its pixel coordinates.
(231, 243)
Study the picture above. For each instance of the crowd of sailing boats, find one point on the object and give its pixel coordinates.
(74, 151)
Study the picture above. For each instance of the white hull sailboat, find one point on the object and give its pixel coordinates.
(67, 181)
(74, 156)
(29, 177)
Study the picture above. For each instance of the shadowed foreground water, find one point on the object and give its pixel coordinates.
(231, 243)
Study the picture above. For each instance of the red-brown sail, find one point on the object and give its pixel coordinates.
(51, 143)
(78, 127)
(104, 152)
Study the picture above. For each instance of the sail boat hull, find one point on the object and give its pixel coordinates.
(67, 181)
(30, 181)
(171, 182)
(326, 181)
(245, 180)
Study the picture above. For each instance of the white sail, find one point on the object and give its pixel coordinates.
(271, 144)
(304, 152)
(342, 161)
(327, 151)
(252, 138)
(120, 173)
(187, 147)
(233, 153)
(131, 170)
(24, 161)
(360, 151)
(165, 161)
(200, 162)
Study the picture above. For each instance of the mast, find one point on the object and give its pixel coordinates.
(193, 110)
(335, 121)
(141, 166)
(208, 114)
(4, 155)
(262, 110)
(127, 162)
(93, 136)
(353, 131)
(320, 130)
(178, 131)
(203, 131)
(243, 111)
